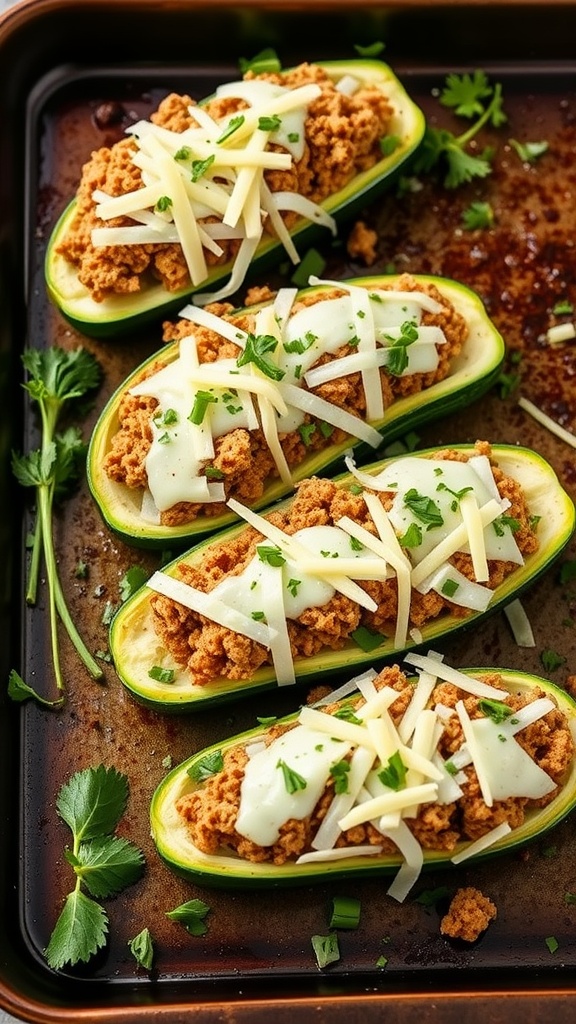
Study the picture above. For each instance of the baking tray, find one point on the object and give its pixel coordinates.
(61, 60)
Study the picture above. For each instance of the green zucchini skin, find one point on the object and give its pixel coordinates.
(474, 371)
(229, 871)
(135, 649)
(119, 315)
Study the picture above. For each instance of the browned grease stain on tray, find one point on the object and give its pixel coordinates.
(521, 267)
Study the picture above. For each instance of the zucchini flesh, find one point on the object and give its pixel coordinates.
(227, 870)
(120, 314)
(136, 648)
(473, 371)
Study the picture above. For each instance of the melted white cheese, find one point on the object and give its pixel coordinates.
(265, 802)
(179, 450)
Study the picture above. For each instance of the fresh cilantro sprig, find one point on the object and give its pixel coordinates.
(471, 97)
(55, 378)
(91, 803)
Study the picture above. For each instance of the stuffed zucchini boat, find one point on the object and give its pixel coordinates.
(200, 194)
(246, 403)
(389, 774)
(348, 571)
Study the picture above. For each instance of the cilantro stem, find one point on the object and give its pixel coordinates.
(55, 377)
(464, 139)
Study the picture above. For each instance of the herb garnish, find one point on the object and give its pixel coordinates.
(271, 554)
(494, 709)
(191, 914)
(424, 508)
(92, 803)
(469, 96)
(529, 152)
(393, 774)
(142, 949)
(210, 764)
(326, 949)
(478, 215)
(233, 125)
(202, 400)
(256, 350)
(56, 378)
(292, 780)
(339, 773)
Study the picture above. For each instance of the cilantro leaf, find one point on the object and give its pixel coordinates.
(142, 949)
(469, 96)
(478, 215)
(107, 864)
(529, 152)
(191, 915)
(465, 93)
(93, 801)
(80, 931)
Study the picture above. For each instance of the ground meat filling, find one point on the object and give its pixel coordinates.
(342, 139)
(469, 914)
(243, 460)
(211, 810)
(208, 651)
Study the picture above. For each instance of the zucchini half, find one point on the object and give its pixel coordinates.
(473, 373)
(136, 649)
(227, 870)
(122, 314)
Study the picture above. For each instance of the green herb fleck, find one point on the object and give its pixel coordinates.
(142, 949)
(393, 774)
(551, 660)
(210, 764)
(339, 773)
(529, 152)
(449, 588)
(202, 400)
(161, 675)
(269, 124)
(233, 125)
(256, 351)
(192, 915)
(164, 203)
(292, 780)
(366, 639)
(478, 215)
(424, 508)
(326, 949)
(271, 555)
(201, 167)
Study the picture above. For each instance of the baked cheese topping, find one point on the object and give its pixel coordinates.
(390, 768)
(424, 527)
(270, 385)
(206, 184)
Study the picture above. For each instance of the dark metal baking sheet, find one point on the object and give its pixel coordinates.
(256, 960)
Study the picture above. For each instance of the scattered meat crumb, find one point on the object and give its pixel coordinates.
(362, 243)
(468, 915)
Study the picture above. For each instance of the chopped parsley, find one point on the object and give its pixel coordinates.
(424, 508)
(210, 764)
(393, 774)
(292, 780)
(161, 675)
(271, 555)
(256, 351)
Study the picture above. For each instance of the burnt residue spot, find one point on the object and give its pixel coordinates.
(109, 115)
